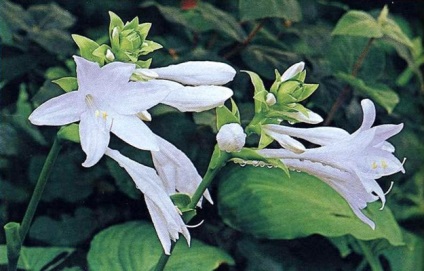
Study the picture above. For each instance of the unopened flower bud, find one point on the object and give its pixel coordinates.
(109, 55)
(231, 137)
(270, 99)
(292, 71)
(144, 115)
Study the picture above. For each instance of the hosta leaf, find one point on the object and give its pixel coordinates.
(135, 246)
(358, 23)
(268, 204)
(38, 258)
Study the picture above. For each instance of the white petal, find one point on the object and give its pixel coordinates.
(386, 131)
(94, 138)
(285, 141)
(176, 170)
(320, 135)
(61, 110)
(198, 73)
(312, 117)
(135, 97)
(368, 109)
(133, 131)
(199, 98)
(292, 71)
(87, 71)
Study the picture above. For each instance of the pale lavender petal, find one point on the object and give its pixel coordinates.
(176, 170)
(134, 131)
(135, 97)
(198, 73)
(377, 163)
(292, 71)
(87, 71)
(61, 110)
(319, 135)
(94, 138)
(285, 141)
(196, 99)
(386, 131)
(368, 109)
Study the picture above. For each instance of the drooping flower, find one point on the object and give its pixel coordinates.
(107, 101)
(165, 216)
(350, 163)
(176, 171)
(231, 137)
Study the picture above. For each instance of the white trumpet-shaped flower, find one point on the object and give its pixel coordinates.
(106, 101)
(165, 215)
(350, 163)
(176, 171)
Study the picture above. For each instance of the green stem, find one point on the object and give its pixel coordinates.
(218, 160)
(371, 258)
(13, 243)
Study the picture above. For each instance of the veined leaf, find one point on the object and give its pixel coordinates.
(254, 9)
(358, 23)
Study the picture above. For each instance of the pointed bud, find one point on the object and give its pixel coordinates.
(231, 137)
(144, 115)
(109, 55)
(292, 71)
(270, 99)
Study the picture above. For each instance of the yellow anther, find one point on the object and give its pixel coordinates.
(383, 164)
(374, 165)
(104, 115)
(97, 113)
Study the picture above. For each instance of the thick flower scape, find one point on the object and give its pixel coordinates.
(349, 163)
(108, 101)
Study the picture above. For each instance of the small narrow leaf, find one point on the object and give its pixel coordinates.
(67, 83)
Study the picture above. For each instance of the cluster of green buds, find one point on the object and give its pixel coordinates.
(127, 43)
(282, 101)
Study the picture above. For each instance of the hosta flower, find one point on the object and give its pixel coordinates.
(165, 216)
(350, 163)
(231, 137)
(176, 171)
(106, 101)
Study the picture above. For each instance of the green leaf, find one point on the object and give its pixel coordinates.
(358, 23)
(69, 132)
(225, 116)
(51, 16)
(38, 258)
(67, 83)
(265, 59)
(135, 246)
(268, 204)
(68, 231)
(260, 92)
(5, 33)
(259, 9)
(87, 47)
(380, 93)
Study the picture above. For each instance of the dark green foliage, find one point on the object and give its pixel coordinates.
(80, 206)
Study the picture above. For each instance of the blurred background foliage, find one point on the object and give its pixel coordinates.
(36, 47)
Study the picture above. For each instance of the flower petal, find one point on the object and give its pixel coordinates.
(94, 138)
(386, 131)
(135, 97)
(176, 170)
(61, 110)
(198, 73)
(198, 98)
(319, 135)
(134, 131)
(368, 109)
(287, 142)
(292, 71)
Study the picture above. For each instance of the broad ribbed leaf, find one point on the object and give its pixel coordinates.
(358, 23)
(38, 258)
(268, 204)
(380, 93)
(135, 246)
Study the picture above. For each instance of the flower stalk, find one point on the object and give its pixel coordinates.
(15, 232)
